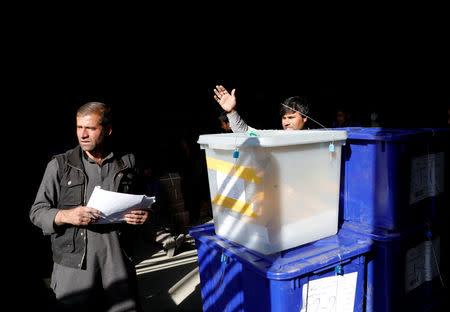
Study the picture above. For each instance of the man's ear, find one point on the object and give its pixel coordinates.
(305, 119)
(108, 130)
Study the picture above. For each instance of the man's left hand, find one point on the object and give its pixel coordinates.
(136, 217)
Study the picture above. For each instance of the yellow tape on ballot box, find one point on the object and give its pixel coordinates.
(235, 205)
(229, 168)
(236, 186)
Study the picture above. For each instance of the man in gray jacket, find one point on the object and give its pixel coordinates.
(92, 265)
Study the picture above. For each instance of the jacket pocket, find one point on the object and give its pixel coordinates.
(63, 242)
(72, 192)
(125, 182)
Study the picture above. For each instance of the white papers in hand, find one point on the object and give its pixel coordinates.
(114, 205)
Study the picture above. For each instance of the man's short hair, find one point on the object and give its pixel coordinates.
(97, 108)
(295, 103)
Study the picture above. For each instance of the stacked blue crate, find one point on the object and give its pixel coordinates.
(325, 275)
(394, 189)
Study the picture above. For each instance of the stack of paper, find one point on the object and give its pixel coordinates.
(114, 205)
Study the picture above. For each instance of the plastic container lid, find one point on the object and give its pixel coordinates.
(294, 262)
(381, 235)
(387, 134)
(270, 138)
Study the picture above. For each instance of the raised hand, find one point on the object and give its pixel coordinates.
(226, 100)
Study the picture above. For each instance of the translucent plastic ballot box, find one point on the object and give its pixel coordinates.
(407, 270)
(395, 178)
(273, 189)
(326, 275)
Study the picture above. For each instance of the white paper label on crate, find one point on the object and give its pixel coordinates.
(432, 259)
(421, 264)
(414, 267)
(427, 176)
(333, 293)
(230, 186)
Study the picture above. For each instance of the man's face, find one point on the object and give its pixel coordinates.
(293, 121)
(91, 134)
(225, 126)
(340, 117)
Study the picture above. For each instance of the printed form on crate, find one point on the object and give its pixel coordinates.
(332, 293)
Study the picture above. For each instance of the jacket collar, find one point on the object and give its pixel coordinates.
(74, 159)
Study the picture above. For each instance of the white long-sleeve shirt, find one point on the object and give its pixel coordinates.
(237, 124)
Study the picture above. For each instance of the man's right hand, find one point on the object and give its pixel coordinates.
(79, 216)
(225, 99)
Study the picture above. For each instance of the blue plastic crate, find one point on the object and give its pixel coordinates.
(394, 178)
(319, 275)
(406, 271)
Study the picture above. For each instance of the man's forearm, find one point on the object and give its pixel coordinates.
(237, 124)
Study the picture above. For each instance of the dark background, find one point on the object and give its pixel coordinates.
(150, 117)
(159, 79)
